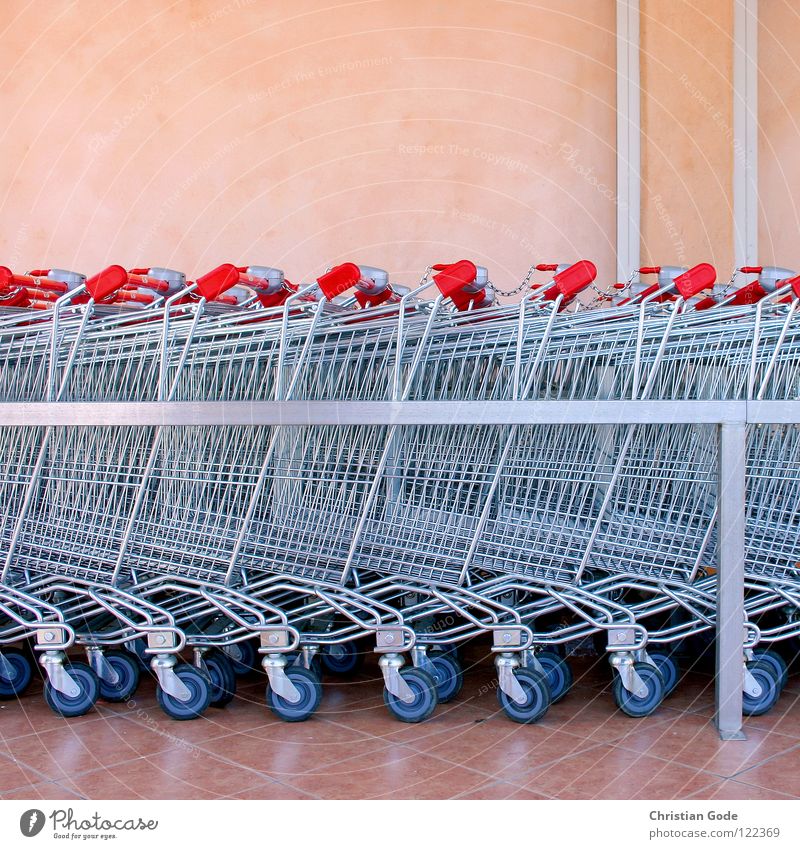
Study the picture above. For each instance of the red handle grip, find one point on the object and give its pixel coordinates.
(547, 266)
(339, 279)
(794, 282)
(650, 269)
(751, 269)
(106, 282)
(693, 281)
(575, 278)
(139, 281)
(452, 278)
(217, 281)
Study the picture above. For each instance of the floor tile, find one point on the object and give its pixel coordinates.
(610, 772)
(731, 789)
(690, 739)
(173, 774)
(781, 773)
(395, 772)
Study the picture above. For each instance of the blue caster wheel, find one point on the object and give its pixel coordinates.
(537, 697)
(89, 690)
(223, 678)
(127, 667)
(307, 683)
(669, 669)
(770, 690)
(771, 658)
(137, 649)
(425, 700)
(342, 658)
(199, 686)
(19, 671)
(558, 673)
(634, 705)
(447, 675)
(244, 657)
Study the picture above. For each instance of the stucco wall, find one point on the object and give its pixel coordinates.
(301, 134)
(687, 132)
(779, 133)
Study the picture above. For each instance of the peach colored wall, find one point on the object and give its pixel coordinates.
(779, 133)
(687, 132)
(299, 134)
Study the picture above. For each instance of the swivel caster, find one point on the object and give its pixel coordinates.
(756, 704)
(198, 693)
(646, 702)
(423, 700)
(558, 673)
(223, 678)
(447, 675)
(126, 668)
(15, 673)
(536, 695)
(79, 702)
(307, 685)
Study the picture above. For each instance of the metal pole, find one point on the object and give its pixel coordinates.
(730, 576)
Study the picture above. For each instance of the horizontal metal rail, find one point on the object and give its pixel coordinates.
(397, 412)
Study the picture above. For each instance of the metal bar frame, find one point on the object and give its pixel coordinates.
(731, 418)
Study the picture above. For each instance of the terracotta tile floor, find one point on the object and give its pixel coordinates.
(352, 749)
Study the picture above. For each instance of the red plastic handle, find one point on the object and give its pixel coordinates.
(106, 282)
(575, 278)
(547, 266)
(339, 279)
(650, 269)
(751, 269)
(752, 293)
(794, 282)
(452, 278)
(140, 281)
(693, 281)
(217, 281)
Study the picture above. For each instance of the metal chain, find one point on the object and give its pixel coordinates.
(728, 285)
(526, 284)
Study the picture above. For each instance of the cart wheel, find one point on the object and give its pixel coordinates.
(425, 698)
(199, 686)
(558, 673)
(89, 690)
(126, 665)
(247, 661)
(770, 691)
(669, 669)
(307, 683)
(771, 658)
(342, 658)
(138, 648)
(537, 697)
(223, 678)
(447, 675)
(20, 674)
(634, 705)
